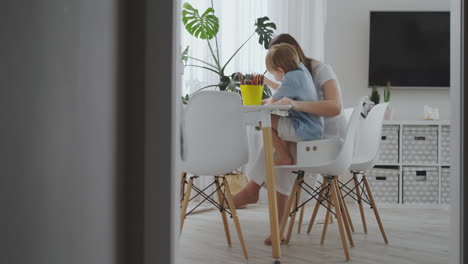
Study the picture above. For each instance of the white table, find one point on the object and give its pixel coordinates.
(254, 114)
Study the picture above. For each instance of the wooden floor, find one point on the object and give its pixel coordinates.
(415, 236)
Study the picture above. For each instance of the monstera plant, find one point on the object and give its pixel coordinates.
(206, 26)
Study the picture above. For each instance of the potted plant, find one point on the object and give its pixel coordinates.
(375, 96)
(206, 26)
(387, 92)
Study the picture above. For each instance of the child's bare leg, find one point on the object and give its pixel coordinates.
(248, 195)
(281, 146)
(281, 202)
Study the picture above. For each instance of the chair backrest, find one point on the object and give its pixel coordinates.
(348, 112)
(214, 134)
(368, 141)
(343, 161)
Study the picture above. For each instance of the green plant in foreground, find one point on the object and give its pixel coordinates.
(375, 96)
(387, 92)
(206, 27)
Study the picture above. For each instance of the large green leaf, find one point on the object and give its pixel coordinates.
(233, 85)
(265, 31)
(203, 26)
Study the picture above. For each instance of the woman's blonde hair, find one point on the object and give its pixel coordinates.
(282, 56)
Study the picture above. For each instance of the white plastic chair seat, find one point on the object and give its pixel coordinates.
(361, 164)
(316, 156)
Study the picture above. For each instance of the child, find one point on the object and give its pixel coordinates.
(282, 61)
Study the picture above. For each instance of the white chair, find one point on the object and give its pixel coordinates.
(330, 158)
(365, 155)
(214, 143)
(348, 112)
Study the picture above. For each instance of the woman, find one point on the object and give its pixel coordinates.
(326, 82)
(330, 107)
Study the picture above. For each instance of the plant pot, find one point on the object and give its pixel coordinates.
(252, 94)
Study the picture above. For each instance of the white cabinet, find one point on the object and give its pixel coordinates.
(417, 154)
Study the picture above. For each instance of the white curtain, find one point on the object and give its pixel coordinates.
(303, 19)
(238, 24)
(237, 20)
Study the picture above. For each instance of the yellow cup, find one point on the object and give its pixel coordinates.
(252, 94)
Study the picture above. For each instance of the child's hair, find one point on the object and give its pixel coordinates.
(283, 56)
(286, 38)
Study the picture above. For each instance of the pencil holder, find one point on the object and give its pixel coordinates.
(252, 94)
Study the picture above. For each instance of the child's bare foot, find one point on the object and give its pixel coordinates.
(284, 161)
(267, 240)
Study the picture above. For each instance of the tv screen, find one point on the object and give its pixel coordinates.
(409, 49)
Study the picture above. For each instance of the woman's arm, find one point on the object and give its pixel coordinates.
(270, 83)
(328, 107)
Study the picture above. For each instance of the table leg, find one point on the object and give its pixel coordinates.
(271, 188)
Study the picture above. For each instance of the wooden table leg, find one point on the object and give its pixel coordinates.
(271, 189)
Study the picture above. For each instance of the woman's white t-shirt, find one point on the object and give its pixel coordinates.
(334, 127)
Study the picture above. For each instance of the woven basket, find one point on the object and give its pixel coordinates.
(237, 182)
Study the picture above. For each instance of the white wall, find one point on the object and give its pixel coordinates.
(347, 50)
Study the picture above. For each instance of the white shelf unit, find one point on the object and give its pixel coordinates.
(400, 165)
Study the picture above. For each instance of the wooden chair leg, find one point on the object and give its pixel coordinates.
(359, 198)
(284, 221)
(317, 205)
(232, 207)
(343, 212)
(223, 211)
(374, 208)
(301, 217)
(336, 202)
(293, 216)
(183, 210)
(345, 206)
(327, 220)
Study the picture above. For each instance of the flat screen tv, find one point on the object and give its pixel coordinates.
(409, 49)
